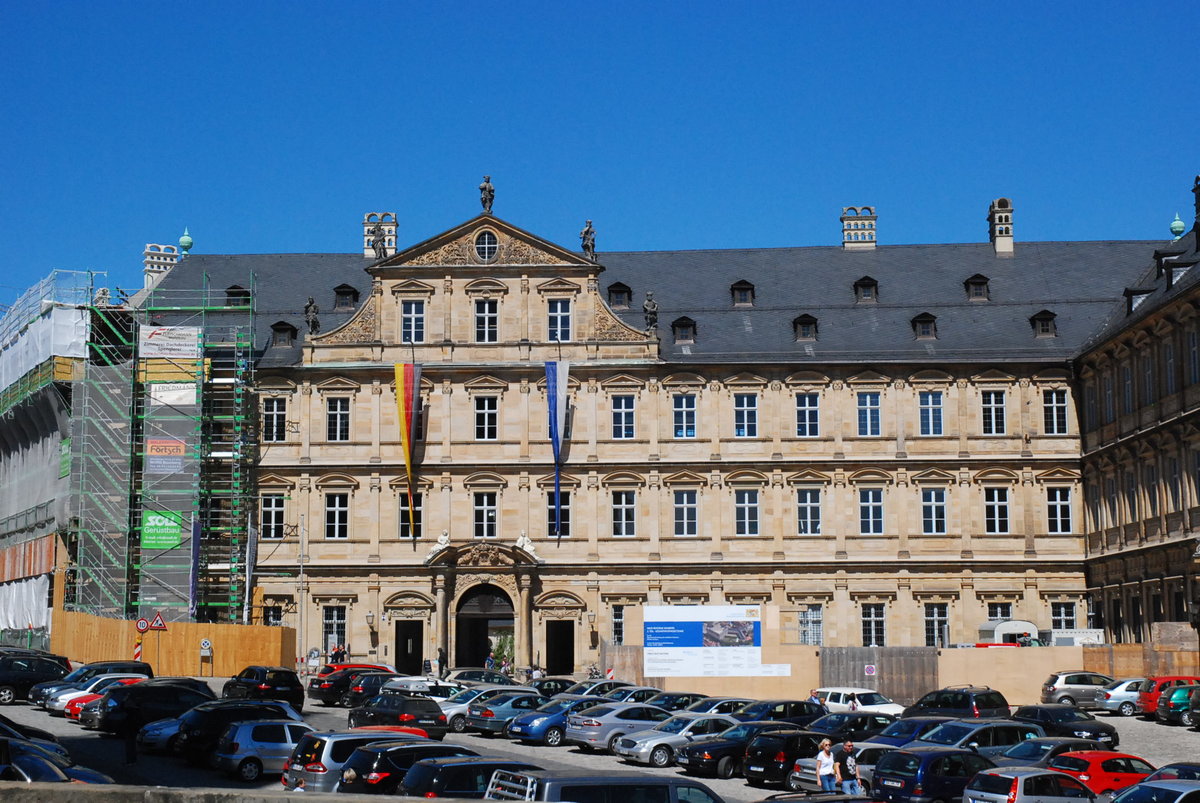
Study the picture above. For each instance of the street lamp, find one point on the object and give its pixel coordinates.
(371, 620)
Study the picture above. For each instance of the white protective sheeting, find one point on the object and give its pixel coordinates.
(48, 320)
(24, 603)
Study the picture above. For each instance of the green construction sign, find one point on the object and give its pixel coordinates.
(64, 458)
(161, 529)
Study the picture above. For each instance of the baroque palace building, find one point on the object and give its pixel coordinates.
(882, 444)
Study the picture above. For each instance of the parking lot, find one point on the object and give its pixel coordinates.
(1158, 744)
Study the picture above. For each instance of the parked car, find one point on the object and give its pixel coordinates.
(597, 787)
(365, 686)
(477, 674)
(600, 687)
(1160, 792)
(1066, 720)
(903, 731)
(770, 756)
(631, 694)
(492, 716)
(657, 746)
(74, 706)
(315, 764)
(856, 726)
(328, 689)
(1178, 771)
(20, 673)
(151, 701)
(989, 737)
(1074, 687)
(29, 768)
(1038, 751)
(329, 669)
(548, 723)
(847, 698)
(1151, 688)
(201, 728)
(11, 728)
(718, 705)
(722, 755)
(600, 726)
(159, 736)
(1102, 771)
(548, 687)
(1119, 697)
(248, 749)
(396, 708)
(457, 777)
(965, 702)
(455, 708)
(1025, 785)
(797, 712)
(379, 768)
(925, 774)
(266, 683)
(803, 777)
(76, 772)
(1175, 706)
(675, 700)
(39, 692)
(56, 703)
(429, 687)
(61, 659)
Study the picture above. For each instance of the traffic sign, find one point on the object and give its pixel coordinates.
(142, 625)
(158, 623)
(869, 670)
(205, 644)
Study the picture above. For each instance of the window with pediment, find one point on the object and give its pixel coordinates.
(742, 293)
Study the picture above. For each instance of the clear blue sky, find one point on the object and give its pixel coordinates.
(272, 127)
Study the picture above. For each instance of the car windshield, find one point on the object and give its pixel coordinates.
(1068, 715)
(897, 763)
(830, 721)
(673, 725)
(465, 696)
(947, 733)
(1032, 750)
(557, 706)
(1147, 793)
(872, 698)
(738, 732)
(1177, 772)
(78, 674)
(902, 728)
(578, 688)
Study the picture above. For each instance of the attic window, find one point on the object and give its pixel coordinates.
(486, 246)
(283, 334)
(805, 328)
(683, 330)
(1134, 296)
(977, 288)
(619, 295)
(345, 298)
(237, 296)
(743, 293)
(1043, 324)
(925, 326)
(866, 289)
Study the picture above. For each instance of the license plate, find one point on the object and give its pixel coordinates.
(516, 728)
(894, 784)
(682, 760)
(755, 769)
(426, 721)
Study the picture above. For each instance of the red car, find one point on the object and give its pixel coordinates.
(76, 705)
(329, 669)
(1152, 688)
(1102, 771)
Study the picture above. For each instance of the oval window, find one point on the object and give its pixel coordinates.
(486, 245)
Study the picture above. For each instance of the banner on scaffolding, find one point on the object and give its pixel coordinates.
(172, 394)
(164, 455)
(161, 529)
(408, 401)
(170, 342)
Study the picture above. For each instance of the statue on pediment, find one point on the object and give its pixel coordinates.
(378, 241)
(650, 308)
(311, 311)
(588, 239)
(487, 194)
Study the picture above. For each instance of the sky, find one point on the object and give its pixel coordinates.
(273, 127)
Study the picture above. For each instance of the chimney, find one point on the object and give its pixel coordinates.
(1000, 230)
(858, 228)
(157, 260)
(386, 221)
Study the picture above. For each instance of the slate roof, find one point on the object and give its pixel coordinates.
(1082, 283)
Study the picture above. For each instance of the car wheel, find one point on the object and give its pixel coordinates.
(250, 770)
(173, 745)
(458, 724)
(1185, 719)
(612, 742)
(7, 695)
(1067, 699)
(1127, 709)
(661, 756)
(726, 767)
(553, 737)
(866, 787)
(794, 784)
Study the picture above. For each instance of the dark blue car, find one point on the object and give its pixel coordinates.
(548, 723)
(925, 774)
(903, 731)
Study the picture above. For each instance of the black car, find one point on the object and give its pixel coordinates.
(456, 777)
(20, 673)
(675, 700)
(379, 768)
(857, 726)
(15, 730)
(797, 712)
(39, 693)
(1036, 752)
(64, 762)
(548, 687)
(266, 683)
(903, 731)
(395, 708)
(58, 659)
(722, 755)
(148, 702)
(961, 702)
(201, 728)
(364, 687)
(195, 684)
(771, 756)
(330, 689)
(1067, 720)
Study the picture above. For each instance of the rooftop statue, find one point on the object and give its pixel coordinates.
(588, 238)
(487, 194)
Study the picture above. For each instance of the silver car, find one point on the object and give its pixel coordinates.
(325, 753)
(248, 749)
(455, 708)
(1119, 697)
(718, 705)
(1025, 785)
(602, 726)
(803, 777)
(632, 694)
(657, 746)
(1074, 687)
(159, 736)
(56, 703)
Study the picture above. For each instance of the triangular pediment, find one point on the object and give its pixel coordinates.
(337, 383)
(931, 376)
(413, 287)
(558, 285)
(868, 378)
(933, 475)
(486, 383)
(807, 476)
(622, 381)
(685, 478)
(684, 380)
(992, 375)
(565, 481)
(274, 481)
(807, 378)
(507, 245)
(745, 379)
(1059, 475)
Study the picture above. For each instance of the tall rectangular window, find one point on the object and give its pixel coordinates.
(868, 414)
(1110, 404)
(337, 418)
(686, 513)
(1174, 486)
(411, 528)
(811, 624)
(937, 624)
(333, 626)
(487, 320)
(999, 610)
(274, 420)
(273, 615)
(745, 415)
(1126, 389)
(337, 515)
(995, 510)
(618, 624)
(624, 514)
(808, 511)
(745, 511)
(1149, 378)
(1058, 510)
(1150, 480)
(1054, 411)
(485, 514)
(1090, 412)
(1062, 615)
(808, 418)
(270, 523)
(487, 418)
(870, 511)
(874, 632)
(993, 412)
(1193, 358)
(1131, 496)
(559, 320)
(930, 408)
(683, 409)
(1169, 377)
(933, 511)
(561, 529)
(1110, 498)
(622, 417)
(412, 321)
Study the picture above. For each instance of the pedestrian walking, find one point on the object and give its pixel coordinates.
(846, 767)
(130, 727)
(827, 767)
(443, 667)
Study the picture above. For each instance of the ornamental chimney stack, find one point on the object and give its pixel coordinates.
(1000, 227)
(379, 234)
(858, 228)
(157, 261)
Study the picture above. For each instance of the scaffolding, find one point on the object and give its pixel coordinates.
(167, 442)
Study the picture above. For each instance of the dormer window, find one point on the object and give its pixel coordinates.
(743, 294)
(684, 330)
(866, 289)
(805, 328)
(345, 298)
(925, 326)
(1043, 324)
(237, 296)
(977, 288)
(619, 295)
(1134, 296)
(283, 335)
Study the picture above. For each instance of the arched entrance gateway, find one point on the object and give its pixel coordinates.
(484, 622)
